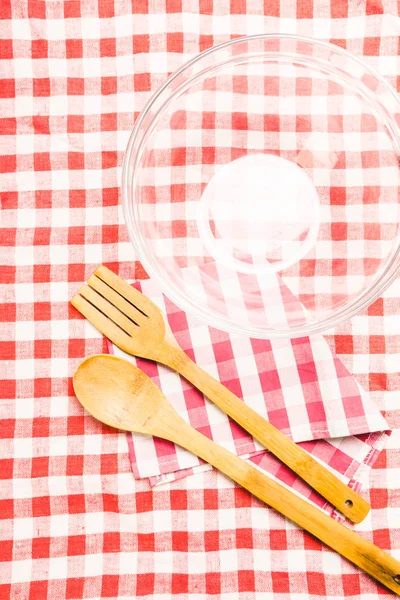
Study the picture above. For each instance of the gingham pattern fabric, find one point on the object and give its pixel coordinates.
(298, 385)
(74, 523)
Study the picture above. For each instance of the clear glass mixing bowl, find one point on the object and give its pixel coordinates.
(261, 186)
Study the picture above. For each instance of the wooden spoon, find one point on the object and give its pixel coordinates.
(122, 396)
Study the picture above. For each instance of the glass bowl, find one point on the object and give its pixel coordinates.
(261, 186)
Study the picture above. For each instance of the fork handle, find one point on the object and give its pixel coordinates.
(358, 550)
(348, 502)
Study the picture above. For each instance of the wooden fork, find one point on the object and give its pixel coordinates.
(137, 326)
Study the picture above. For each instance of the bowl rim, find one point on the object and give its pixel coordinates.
(184, 302)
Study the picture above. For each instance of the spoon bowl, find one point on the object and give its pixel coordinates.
(119, 394)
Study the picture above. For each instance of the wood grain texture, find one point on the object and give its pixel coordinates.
(120, 395)
(137, 326)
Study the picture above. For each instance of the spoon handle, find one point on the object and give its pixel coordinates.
(346, 500)
(349, 544)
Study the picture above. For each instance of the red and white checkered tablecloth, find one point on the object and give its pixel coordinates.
(73, 521)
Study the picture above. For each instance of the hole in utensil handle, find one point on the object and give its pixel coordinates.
(396, 578)
(349, 503)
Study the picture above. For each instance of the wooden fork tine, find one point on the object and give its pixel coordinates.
(109, 310)
(102, 323)
(127, 308)
(123, 288)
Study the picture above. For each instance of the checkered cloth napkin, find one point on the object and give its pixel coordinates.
(298, 385)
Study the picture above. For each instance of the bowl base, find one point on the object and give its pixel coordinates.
(259, 213)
